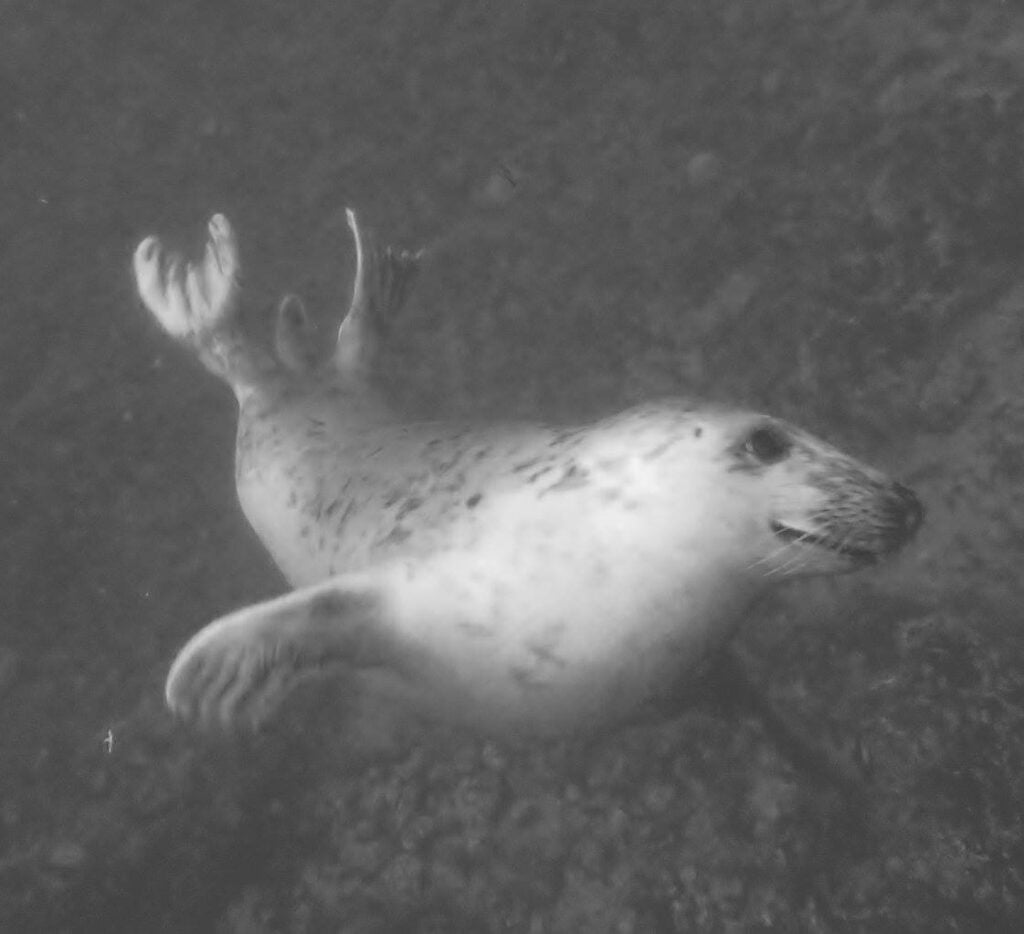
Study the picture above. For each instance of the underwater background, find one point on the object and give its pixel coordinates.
(809, 208)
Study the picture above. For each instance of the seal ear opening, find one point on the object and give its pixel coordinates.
(381, 285)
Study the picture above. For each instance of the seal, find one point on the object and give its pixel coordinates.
(522, 578)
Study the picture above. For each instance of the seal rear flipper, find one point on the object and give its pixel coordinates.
(382, 280)
(239, 668)
(197, 304)
(190, 300)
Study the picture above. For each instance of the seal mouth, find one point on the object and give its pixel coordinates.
(801, 537)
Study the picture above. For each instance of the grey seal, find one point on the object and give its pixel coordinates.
(522, 578)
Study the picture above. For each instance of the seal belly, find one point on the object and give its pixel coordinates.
(538, 630)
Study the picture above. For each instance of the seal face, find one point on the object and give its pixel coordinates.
(519, 577)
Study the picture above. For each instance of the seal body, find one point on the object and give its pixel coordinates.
(519, 577)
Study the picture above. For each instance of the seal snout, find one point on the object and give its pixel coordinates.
(861, 523)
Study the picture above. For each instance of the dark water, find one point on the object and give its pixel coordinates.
(809, 208)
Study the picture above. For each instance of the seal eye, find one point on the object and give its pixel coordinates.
(767, 444)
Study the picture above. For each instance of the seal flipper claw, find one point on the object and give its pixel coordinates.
(239, 668)
(382, 281)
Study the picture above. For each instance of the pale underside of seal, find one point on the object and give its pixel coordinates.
(518, 577)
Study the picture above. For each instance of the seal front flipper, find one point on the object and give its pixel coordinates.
(239, 668)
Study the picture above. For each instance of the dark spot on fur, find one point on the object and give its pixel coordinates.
(546, 654)
(561, 437)
(343, 518)
(534, 477)
(526, 678)
(456, 484)
(698, 431)
(330, 608)
(656, 452)
(474, 499)
(525, 465)
(444, 465)
(355, 635)
(410, 505)
(573, 478)
(396, 536)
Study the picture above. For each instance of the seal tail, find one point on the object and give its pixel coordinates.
(241, 667)
(197, 304)
(382, 281)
